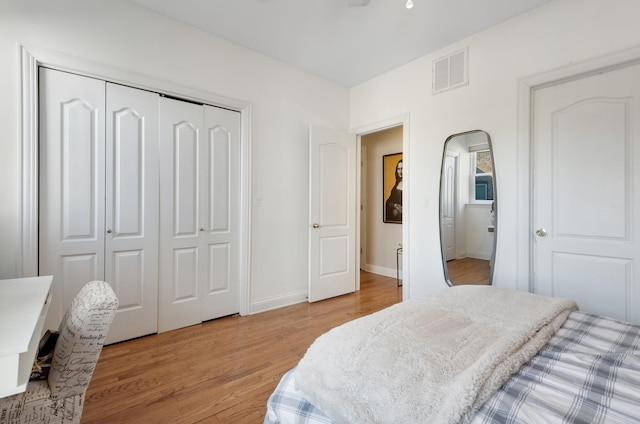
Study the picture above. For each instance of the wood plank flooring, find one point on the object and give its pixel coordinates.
(469, 271)
(220, 371)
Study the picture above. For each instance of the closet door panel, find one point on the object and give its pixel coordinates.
(222, 233)
(79, 169)
(219, 268)
(181, 159)
(71, 226)
(77, 271)
(220, 180)
(132, 196)
(185, 168)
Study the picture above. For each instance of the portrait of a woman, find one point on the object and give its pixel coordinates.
(393, 204)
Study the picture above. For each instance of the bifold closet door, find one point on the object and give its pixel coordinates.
(199, 236)
(98, 212)
(72, 191)
(132, 209)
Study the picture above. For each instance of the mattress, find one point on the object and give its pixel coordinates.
(589, 372)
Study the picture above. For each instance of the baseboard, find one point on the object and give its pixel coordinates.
(479, 255)
(277, 302)
(387, 272)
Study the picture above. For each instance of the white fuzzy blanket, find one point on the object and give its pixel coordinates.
(432, 360)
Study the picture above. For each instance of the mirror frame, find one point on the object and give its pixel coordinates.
(495, 206)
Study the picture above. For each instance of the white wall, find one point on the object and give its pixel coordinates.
(284, 101)
(552, 36)
(382, 239)
(479, 241)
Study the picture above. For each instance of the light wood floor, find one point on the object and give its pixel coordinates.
(468, 271)
(221, 371)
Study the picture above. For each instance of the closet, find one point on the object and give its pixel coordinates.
(140, 195)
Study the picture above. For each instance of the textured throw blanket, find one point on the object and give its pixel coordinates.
(431, 360)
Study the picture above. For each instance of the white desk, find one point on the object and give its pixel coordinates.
(24, 303)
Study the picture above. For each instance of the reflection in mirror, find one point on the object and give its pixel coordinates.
(468, 209)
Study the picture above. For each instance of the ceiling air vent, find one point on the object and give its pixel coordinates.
(450, 71)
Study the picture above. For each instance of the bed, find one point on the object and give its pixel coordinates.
(555, 364)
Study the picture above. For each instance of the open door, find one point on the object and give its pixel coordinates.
(332, 213)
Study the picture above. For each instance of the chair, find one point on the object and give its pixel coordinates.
(60, 398)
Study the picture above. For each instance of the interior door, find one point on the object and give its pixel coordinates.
(182, 156)
(199, 213)
(332, 213)
(447, 209)
(131, 245)
(221, 238)
(586, 206)
(72, 192)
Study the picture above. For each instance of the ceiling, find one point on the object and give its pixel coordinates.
(347, 45)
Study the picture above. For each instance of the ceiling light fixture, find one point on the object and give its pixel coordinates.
(409, 4)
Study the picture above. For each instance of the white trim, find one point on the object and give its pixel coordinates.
(526, 86)
(381, 270)
(28, 242)
(277, 302)
(401, 120)
(32, 58)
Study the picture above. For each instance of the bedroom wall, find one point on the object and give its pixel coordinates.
(284, 102)
(380, 239)
(552, 36)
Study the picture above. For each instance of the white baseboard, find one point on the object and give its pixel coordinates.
(387, 272)
(479, 255)
(277, 302)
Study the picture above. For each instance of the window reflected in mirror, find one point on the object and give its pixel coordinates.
(468, 209)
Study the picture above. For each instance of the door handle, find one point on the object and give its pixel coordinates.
(315, 225)
(541, 232)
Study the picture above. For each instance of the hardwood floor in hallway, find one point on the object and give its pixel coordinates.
(220, 371)
(469, 271)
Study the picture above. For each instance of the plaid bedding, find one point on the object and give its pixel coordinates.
(588, 373)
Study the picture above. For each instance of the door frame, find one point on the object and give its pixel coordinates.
(31, 59)
(524, 201)
(456, 203)
(364, 212)
(384, 124)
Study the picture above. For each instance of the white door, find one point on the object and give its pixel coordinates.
(221, 238)
(199, 235)
(447, 208)
(72, 192)
(131, 245)
(99, 196)
(586, 206)
(332, 213)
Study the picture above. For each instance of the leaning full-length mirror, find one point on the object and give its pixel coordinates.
(468, 209)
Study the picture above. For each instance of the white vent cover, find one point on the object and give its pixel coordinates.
(450, 71)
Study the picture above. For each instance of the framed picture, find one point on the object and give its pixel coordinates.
(392, 188)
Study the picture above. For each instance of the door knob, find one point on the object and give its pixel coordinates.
(541, 232)
(109, 231)
(201, 228)
(316, 225)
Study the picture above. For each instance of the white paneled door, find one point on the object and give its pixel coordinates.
(132, 215)
(199, 237)
(586, 198)
(332, 213)
(99, 195)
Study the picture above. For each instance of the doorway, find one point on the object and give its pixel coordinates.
(380, 241)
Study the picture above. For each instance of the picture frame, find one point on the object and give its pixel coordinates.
(392, 168)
